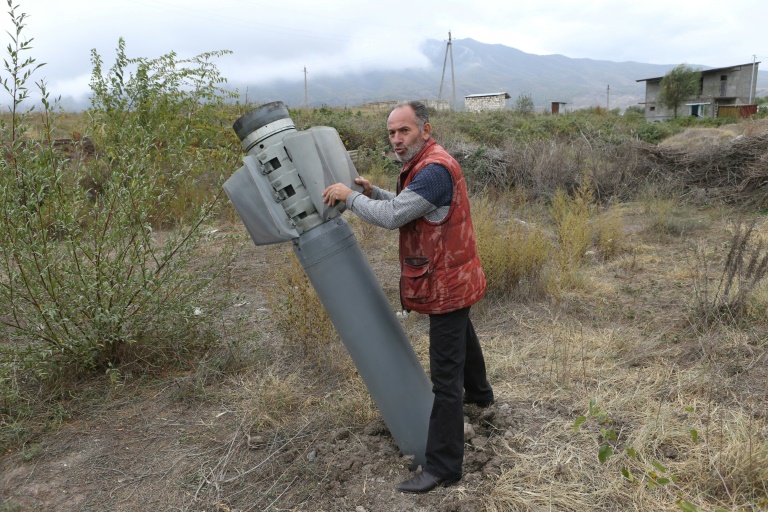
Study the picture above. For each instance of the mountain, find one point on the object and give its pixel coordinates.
(483, 68)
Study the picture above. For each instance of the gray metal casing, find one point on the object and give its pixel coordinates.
(322, 159)
(312, 160)
(255, 202)
(370, 331)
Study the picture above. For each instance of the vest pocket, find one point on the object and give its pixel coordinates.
(414, 282)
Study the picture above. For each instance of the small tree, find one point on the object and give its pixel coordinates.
(524, 104)
(678, 85)
(85, 281)
(635, 110)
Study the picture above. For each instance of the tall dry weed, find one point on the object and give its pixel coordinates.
(610, 237)
(514, 253)
(571, 216)
(300, 316)
(727, 297)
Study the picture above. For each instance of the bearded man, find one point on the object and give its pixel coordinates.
(441, 276)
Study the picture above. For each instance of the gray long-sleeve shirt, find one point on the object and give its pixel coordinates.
(428, 195)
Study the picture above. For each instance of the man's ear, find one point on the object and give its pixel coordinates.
(426, 131)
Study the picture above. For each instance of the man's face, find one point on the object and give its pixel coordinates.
(404, 134)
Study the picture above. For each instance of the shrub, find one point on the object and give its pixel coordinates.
(86, 283)
(166, 112)
(513, 252)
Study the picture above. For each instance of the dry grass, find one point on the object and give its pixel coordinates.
(299, 314)
(691, 400)
(513, 246)
(693, 403)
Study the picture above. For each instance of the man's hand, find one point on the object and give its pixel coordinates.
(367, 187)
(335, 193)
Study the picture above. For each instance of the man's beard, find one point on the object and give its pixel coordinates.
(411, 151)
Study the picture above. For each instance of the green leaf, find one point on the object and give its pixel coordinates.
(578, 422)
(608, 434)
(658, 465)
(625, 472)
(663, 481)
(687, 506)
(694, 435)
(604, 452)
(631, 452)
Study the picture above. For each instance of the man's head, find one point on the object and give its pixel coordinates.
(408, 127)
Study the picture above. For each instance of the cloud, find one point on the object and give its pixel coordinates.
(276, 40)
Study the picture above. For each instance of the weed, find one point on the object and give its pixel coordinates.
(571, 216)
(637, 469)
(9, 506)
(299, 314)
(728, 297)
(31, 451)
(513, 252)
(609, 232)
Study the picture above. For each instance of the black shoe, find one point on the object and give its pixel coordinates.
(480, 403)
(424, 482)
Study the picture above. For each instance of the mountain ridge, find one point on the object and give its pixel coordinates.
(483, 68)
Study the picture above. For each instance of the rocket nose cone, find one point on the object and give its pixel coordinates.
(262, 116)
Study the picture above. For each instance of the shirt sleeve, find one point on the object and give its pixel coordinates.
(429, 194)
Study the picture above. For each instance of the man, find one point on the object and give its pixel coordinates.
(441, 276)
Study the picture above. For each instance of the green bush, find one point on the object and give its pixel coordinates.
(87, 282)
(357, 130)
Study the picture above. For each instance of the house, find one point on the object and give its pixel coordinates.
(389, 105)
(381, 105)
(557, 105)
(488, 101)
(437, 104)
(721, 92)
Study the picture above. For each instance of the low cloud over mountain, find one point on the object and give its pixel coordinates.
(480, 68)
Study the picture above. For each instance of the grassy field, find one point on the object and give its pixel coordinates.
(152, 358)
(625, 330)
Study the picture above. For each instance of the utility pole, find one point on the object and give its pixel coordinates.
(305, 87)
(448, 49)
(752, 83)
(608, 98)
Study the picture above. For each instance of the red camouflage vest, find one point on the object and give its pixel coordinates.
(440, 268)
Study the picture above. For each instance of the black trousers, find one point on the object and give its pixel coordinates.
(456, 366)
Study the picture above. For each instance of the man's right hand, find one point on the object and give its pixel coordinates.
(367, 187)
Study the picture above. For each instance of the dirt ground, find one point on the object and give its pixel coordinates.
(158, 445)
(189, 441)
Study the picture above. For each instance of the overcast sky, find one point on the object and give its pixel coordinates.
(278, 38)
